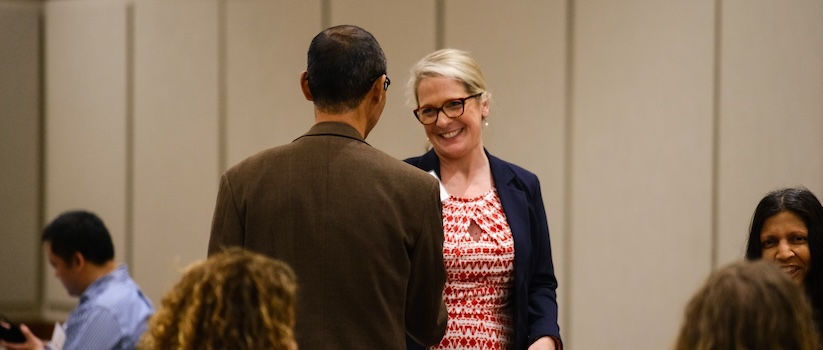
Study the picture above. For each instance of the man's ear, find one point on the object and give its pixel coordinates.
(77, 261)
(377, 90)
(304, 85)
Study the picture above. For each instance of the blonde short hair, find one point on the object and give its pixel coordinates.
(450, 63)
(234, 300)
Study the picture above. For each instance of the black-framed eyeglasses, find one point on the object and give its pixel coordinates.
(385, 83)
(452, 108)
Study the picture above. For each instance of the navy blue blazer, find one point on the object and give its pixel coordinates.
(533, 293)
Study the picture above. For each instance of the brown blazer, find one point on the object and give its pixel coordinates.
(361, 229)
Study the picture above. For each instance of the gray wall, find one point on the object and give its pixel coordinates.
(655, 127)
(20, 157)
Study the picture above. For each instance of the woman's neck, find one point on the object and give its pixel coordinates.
(466, 177)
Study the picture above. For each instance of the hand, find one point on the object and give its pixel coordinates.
(32, 342)
(543, 343)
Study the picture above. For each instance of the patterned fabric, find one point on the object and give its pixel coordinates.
(479, 255)
(112, 314)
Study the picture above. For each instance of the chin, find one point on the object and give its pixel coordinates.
(448, 152)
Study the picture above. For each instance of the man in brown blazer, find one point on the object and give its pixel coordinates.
(361, 229)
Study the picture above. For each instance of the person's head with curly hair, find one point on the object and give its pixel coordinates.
(234, 300)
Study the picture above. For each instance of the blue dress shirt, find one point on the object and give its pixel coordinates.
(112, 314)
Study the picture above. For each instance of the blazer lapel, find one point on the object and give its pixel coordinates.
(429, 162)
(515, 205)
(512, 198)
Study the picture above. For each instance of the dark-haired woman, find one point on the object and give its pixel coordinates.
(787, 228)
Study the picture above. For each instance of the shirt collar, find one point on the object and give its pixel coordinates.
(99, 286)
(335, 129)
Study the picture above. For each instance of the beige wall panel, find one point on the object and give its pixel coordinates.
(175, 119)
(521, 47)
(406, 31)
(86, 112)
(266, 45)
(19, 155)
(771, 115)
(641, 176)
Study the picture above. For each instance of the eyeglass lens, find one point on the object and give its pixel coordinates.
(451, 109)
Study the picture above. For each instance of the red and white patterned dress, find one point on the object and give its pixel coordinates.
(479, 273)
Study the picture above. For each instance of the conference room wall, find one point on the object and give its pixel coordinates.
(265, 51)
(640, 176)
(86, 119)
(20, 150)
(654, 128)
(176, 120)
(770, 125)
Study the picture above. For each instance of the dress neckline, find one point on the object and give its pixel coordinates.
(472, 199)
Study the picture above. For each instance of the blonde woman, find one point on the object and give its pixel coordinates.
(500, 287)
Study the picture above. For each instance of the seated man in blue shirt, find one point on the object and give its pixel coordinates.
(113, 312)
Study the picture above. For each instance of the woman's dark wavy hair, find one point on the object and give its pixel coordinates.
(803, 203)
(343, 63)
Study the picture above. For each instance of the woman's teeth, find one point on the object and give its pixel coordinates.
(450, 134)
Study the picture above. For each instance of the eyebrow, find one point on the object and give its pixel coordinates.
(447, 100)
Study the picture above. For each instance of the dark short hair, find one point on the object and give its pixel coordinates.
(79, 231)
(343, 63)
(803, 203)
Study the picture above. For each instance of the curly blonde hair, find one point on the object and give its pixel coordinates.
(236, 299)
(749, 305)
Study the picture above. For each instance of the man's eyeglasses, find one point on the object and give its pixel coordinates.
(453, 108)
(385, 83)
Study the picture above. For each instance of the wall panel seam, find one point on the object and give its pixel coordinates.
(41, 155)
(439, 24)
(568, 170)
(129, 205)
(222, 122)
(325, 14)
(716, 81)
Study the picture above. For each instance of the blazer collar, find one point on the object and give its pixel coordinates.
(429, 162)
(334, 129)
(502, 174)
